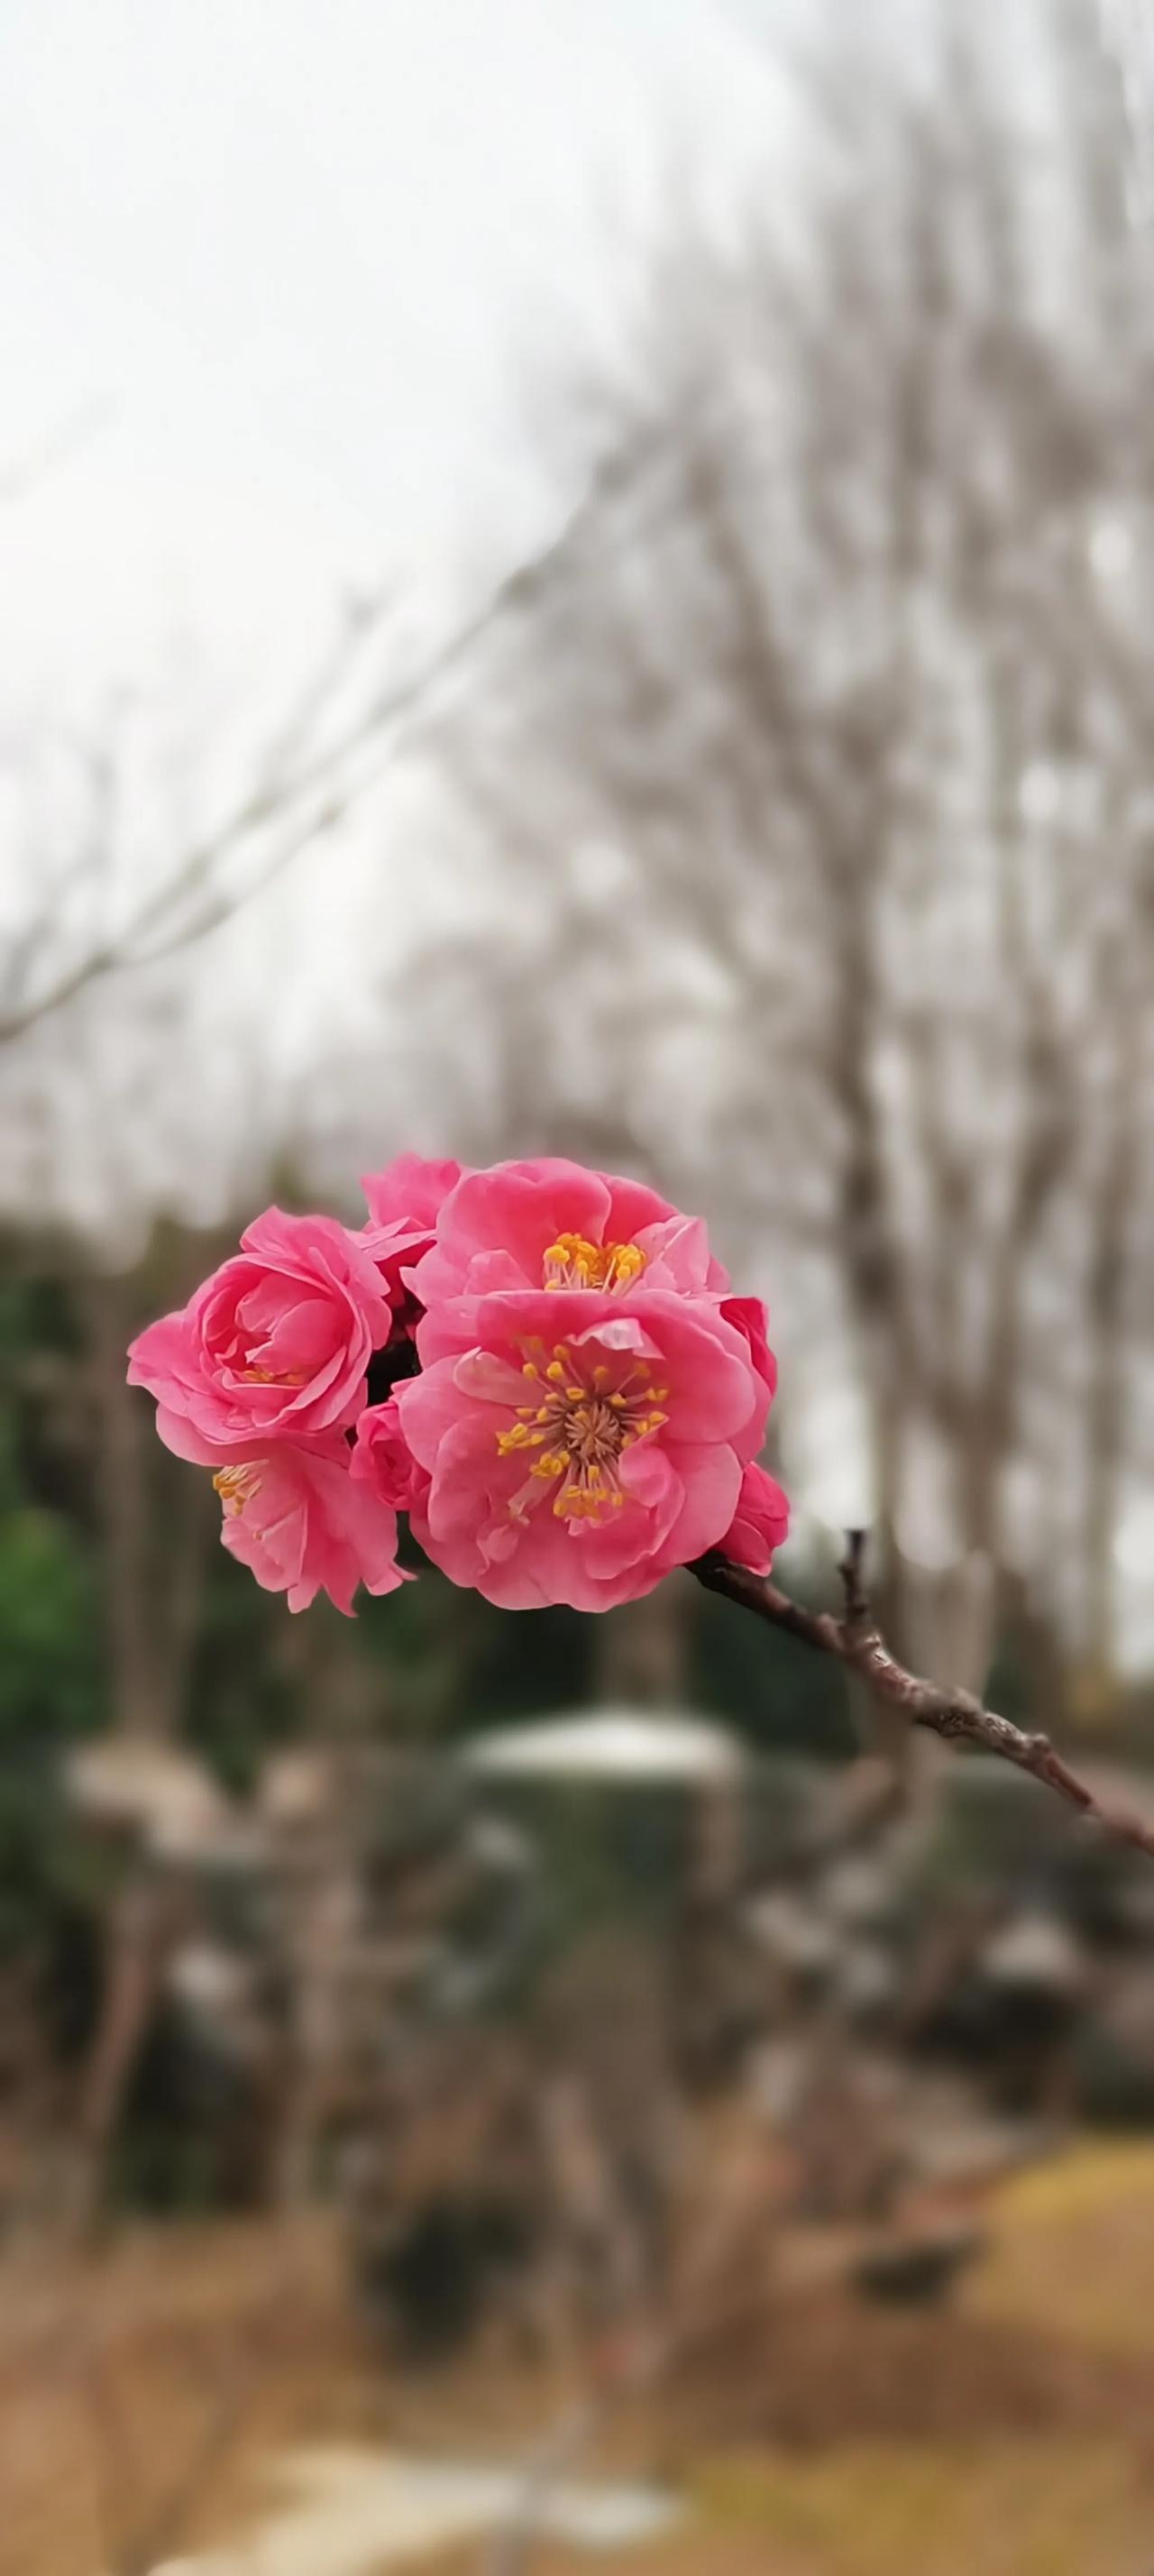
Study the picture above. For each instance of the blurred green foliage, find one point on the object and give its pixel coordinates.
(52, 1673)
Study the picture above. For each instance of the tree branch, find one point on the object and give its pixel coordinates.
(305, 786)
(856, 1640)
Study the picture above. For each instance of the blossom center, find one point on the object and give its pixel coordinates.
(581, 1423)
(574, 1262)
(261, 1340)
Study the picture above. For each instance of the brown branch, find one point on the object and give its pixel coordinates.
(856, 1640)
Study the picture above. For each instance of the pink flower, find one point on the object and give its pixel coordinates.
(553, 1225)
(589, 1395)
(759, 1525)
(295, 1516)
(404, 1202)
(582, 1445)
(276, 1343)
(749, 1317)
(381, 1457)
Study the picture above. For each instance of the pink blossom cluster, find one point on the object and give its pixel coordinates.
(543, 1366)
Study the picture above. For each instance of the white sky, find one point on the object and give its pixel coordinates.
(284, 265)
(279, 281)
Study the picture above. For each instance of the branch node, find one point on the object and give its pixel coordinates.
(856, 1640)
(851, 1570)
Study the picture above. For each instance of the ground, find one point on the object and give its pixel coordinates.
(145, 2390)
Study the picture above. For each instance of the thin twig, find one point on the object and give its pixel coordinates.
(295, 801)
(855, 1639)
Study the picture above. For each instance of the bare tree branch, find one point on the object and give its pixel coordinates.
(856, 1640)
(850, 725)
(303, 789)
(20, 474)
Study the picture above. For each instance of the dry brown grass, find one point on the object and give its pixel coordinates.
(144, 2391)
(1009, 2435)
(1018, 2510)
(138, 2386)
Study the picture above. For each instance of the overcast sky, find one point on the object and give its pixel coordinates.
(274, 275)
(279, 279)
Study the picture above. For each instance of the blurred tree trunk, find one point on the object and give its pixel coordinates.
(123, 1480)
(1109, 1288)
(641, 1651)
(144, 1921)
(154, 1542)
(154, 1557)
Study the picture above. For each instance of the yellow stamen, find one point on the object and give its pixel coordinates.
(574, 1262)
(236, 1487)
(581, 1427)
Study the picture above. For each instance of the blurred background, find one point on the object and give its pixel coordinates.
(580, 579)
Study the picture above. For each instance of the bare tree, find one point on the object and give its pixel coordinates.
(815, 798)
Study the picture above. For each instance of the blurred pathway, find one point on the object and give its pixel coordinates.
(352, 2513)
